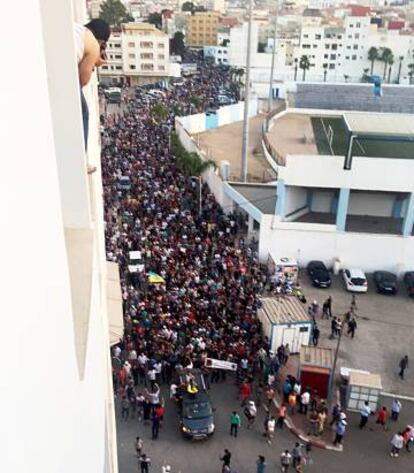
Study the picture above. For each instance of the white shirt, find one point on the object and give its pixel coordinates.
(305, 398)
(271, 425)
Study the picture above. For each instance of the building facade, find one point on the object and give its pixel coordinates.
(64, 322)
(139, 52)
(202, 29)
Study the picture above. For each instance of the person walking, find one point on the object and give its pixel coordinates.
(322, 416)
(145, 463)
(297, 454)
(281, 413)
(365, 413)
(382, 417)
(403, 366)
(155, 426)
(292, 402)
(397, 443)
(340, 430)
(226, 458)
(250, 412)
(270, 429)
(138, 446)
(333, 328)
(352, 325)
(395, 409)
(125, 404)
(235, 422)
(261, 464)
(408, 437)
(245, 390)
(315, 335)
(285, 461)
(304, 402)
(313, 423)
(327, 308)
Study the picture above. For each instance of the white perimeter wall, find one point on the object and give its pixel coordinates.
(367, 203)
(311, 241)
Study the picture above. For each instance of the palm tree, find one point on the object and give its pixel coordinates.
(372, 56)
(401, 59)
(365, 75)
(390, 63)
(193, 165)
(325, 71)
(159, 112)
(304, 64)
(296, 70)
(385, 57)
(411, 73)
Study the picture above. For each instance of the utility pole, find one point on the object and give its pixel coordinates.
(272, 67)
(245, 142)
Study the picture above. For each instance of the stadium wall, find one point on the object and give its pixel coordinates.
(395, 98)
(307, 242)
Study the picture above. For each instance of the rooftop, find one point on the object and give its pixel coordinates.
(262, 196)
(316, 356)
(380, 124)
(283, 310)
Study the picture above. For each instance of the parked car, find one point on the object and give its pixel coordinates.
(409, 283)
(319, 274)
(196, 416)
(355, 280)
(386, 282)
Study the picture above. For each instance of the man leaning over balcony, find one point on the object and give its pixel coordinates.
(90, 43)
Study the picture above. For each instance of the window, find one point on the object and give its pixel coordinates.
(354, 57)
(327, 46)
(118, 68)
(328, 35)
(147, 67)
(110, 56)
(146, 44)
(161, 56)
(331, 66)
(131, 45)
(306, 36)
(339, 36)
(326, 56)
(356, 35)
(105, 68)
(161, 45)
(118, 56)
(315, 45)
(348, 47)
(161, 68)
(334, 46)
(317, 36)
(147, 56)
(117, 45)
(132, 66)
(358, 25)
(351, 26)
(333, 57)
(347, 57)
(355, 46)
(306, 46)
(131, 55)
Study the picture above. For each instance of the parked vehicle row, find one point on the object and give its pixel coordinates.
(355, 279)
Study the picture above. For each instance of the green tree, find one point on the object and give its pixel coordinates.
(188, 6)
(114, 13)
(177, 45)
(155, 19)
(304, 64)
(197, 101)
(159, 112)
(373, 56)
(390, 64)
(401, 59)
(411, 72)
(386, 56)
(364, 77)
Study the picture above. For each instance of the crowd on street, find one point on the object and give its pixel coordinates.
(204, 302)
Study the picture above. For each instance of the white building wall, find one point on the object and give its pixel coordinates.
(321, 201)
(295, 199)
(57, 422)
(377, 204)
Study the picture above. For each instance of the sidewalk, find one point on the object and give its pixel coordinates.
(298, 423)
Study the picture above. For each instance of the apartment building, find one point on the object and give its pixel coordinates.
(202, 29)
(138, 53)
(61, 300)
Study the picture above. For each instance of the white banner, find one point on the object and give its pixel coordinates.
(220, 364)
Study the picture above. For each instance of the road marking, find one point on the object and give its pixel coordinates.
(399, 396)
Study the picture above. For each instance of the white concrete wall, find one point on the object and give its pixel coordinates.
(363, 203)
(295, 199)
(53, 422)
(307, 242)
(322, 200)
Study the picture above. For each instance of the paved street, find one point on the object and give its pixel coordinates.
(364, 450)
(384, 334)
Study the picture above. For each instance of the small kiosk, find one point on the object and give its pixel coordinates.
(363, 387)
(284, 270)
(284, 320)
(315, 369)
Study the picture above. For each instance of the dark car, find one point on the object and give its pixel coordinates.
(409, 283)
(319, 274)
(386, 282)
(196, 416)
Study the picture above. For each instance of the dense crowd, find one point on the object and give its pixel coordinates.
(207, 306)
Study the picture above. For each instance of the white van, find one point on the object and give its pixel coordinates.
(136, 262)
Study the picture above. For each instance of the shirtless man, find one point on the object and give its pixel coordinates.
(90, 43)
